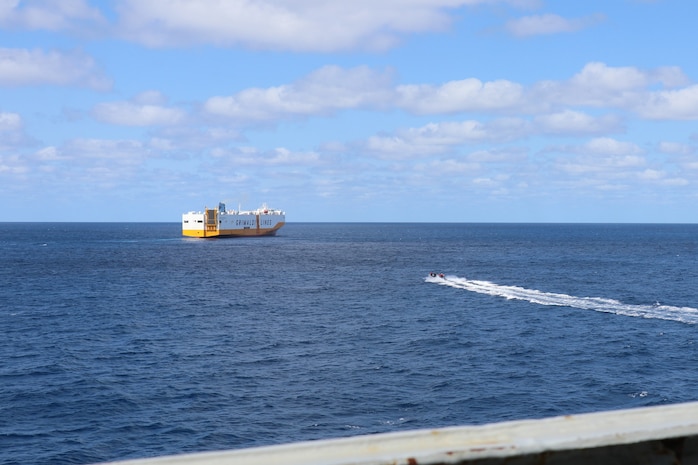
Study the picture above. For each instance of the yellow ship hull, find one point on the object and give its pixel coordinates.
(233, 232)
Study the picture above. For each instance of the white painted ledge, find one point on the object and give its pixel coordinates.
(651, 435)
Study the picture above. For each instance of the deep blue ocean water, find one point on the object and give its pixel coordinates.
(122, 341)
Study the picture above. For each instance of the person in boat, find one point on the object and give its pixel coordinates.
(441, 275)
(432, 274)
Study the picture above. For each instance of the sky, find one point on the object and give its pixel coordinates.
(357, 111)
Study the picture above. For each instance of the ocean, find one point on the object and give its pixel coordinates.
(126, 340)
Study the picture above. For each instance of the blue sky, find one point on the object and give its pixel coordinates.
(381, 110)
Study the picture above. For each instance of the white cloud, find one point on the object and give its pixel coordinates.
(651, 174)
(429, 139)
(570, 122)
(48, 14)
(549, 24)
(435, 138)
(689, 164)
(21, 67)
(498, 155)
(119, 151)
(144, 110)
(79, 165)
(661, 177)
(603, 86)
(605, 157)
(676, 148)
(48, 154)
(668, 76)
(448, 167)
(292, 25)
(12, 134)
(607, 78)
(458, 96)
(150, 97)
(277, 157)
(681, 104)
(10, 122)
(331, 88)
(132, 114)
(189, 137)
(683, 154)
(609, 146)
(323, 91)
(13, 165)
(280, 25)
(597, 85)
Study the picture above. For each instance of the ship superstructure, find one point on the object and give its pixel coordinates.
(220, 222)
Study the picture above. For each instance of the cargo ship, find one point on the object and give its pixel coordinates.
(219, 222)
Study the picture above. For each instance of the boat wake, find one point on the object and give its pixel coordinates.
(599, 304)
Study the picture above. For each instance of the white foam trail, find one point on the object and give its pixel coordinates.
(599, 304)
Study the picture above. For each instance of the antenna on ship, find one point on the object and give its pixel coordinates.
(243, 198)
